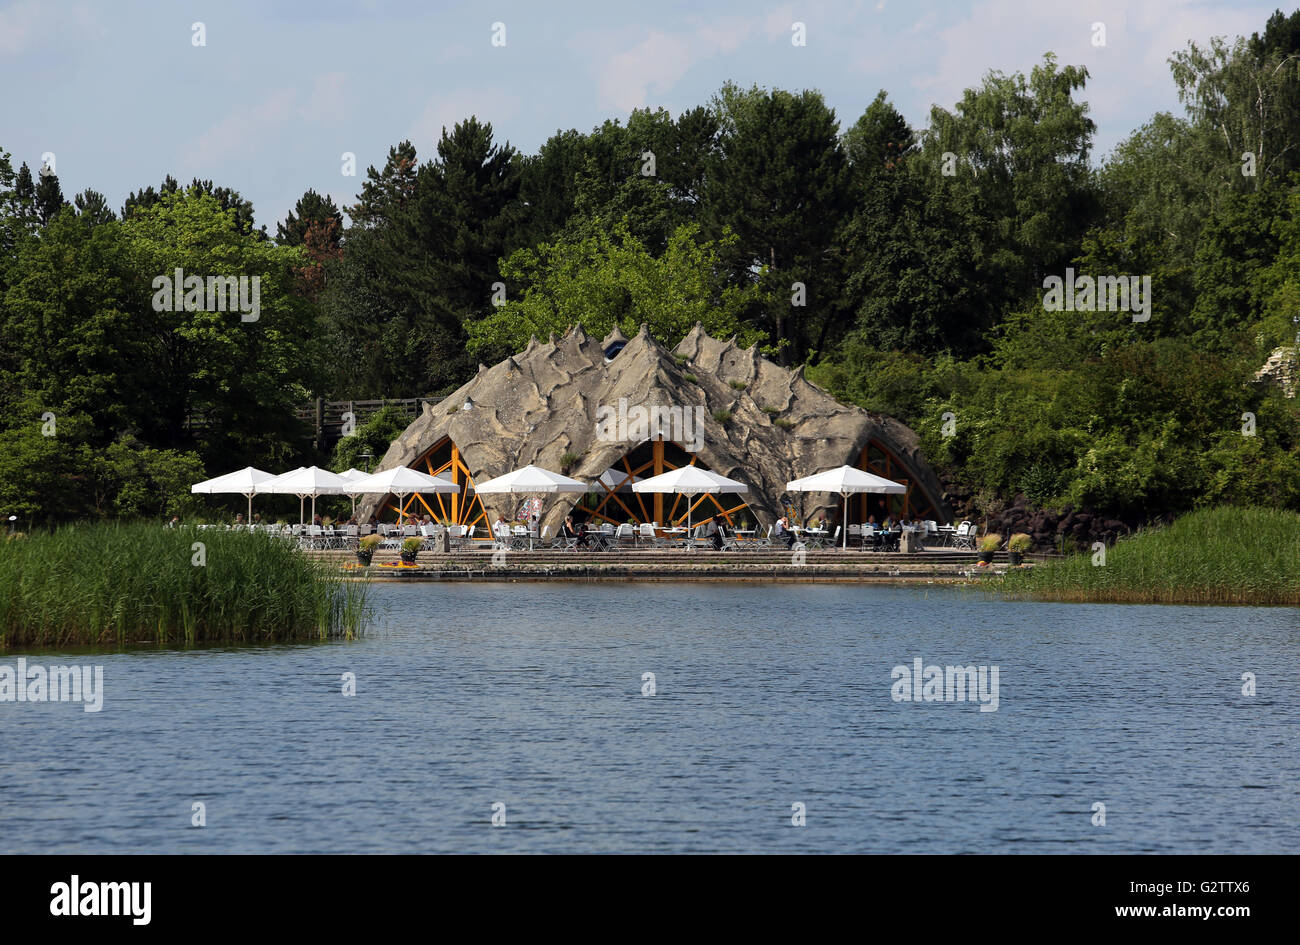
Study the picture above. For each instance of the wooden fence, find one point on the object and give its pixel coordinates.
(330, 418)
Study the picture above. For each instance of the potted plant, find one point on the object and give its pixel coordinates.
(1017, 545)
(366, 549)
(410, 548)
(988, 546)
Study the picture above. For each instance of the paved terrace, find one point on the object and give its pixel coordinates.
(941, 565)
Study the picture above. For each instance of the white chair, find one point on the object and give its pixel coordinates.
(625, 536)
(964, 537)
(647, 535)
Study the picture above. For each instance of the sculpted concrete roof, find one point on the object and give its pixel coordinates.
(539, 404)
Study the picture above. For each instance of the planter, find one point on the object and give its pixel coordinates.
(986, 557)
(408, 557)
(364, 558)
(1016, 558)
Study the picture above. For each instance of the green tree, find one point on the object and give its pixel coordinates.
(779, 180)
(311, 210)
(609, 278)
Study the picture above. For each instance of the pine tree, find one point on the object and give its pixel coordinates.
(92, 205)
(311, 210)
(49, 196)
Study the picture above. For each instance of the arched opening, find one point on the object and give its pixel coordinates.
(618, 503)
(914, 504)
(451, 509)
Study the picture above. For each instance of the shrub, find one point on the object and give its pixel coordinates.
(691, 378)
(370, 542)
(783, 423)
(737, 385)
(412, 545)
(1019, 543)
(722, 416)
(990, 543)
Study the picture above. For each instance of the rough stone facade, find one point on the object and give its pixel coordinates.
(1283, 369)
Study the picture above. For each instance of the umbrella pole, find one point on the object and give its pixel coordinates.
(300, 521)
(249, 520)
(844, 522)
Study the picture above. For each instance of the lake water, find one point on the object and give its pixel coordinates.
(530, 695)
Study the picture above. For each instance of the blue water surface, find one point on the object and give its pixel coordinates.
(766, 697)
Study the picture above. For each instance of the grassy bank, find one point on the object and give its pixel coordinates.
(1213, 556)
(118, 584)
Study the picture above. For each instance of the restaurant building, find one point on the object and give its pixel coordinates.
(614, 410)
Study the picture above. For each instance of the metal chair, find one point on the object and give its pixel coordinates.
(964, 537)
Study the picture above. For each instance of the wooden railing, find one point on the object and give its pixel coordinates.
(328, 418)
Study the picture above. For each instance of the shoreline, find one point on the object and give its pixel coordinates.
(825, 566)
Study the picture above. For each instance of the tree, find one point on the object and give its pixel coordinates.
(227, 198)
(49, 196)
(384, 192)
(1016, 151)
(779, 181)
(311, 209)
(219, 383)
(608, 277)
(92, 205)
(1248, 93)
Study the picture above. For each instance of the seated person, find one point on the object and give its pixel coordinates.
(783, 533)
(712, 533)
(569, 530)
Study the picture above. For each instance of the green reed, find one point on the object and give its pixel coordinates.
(1212, 556)
(119, 584)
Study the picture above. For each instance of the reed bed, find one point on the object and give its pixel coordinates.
(120, 584)
(1212, 556)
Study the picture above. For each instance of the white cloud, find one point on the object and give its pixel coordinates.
(29, 25)
(328, 99)
(243, 130)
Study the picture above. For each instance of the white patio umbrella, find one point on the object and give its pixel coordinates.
(242, 482)
(401, 481)
(307, 481)
(531, 479)
(845, 480)
(263, 488)
(690, 481)
(352, 475)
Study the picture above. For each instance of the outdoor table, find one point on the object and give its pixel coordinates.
(817, 536)
(674, 534)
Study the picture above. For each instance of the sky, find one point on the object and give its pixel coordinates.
(121, 94)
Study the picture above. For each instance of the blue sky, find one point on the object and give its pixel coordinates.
(121, 96)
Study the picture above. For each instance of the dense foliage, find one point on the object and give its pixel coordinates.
(906, 267)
